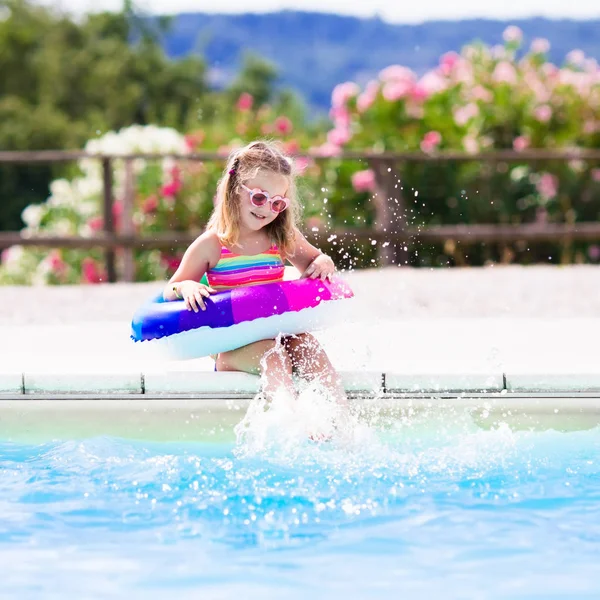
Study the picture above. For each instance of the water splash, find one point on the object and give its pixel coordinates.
(288, 424)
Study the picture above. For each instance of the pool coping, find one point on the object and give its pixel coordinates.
(156, 383)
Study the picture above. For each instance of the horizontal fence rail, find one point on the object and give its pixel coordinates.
(49, 156)
(390, 233)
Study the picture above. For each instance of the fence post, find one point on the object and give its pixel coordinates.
(390, 217)
(127, 220)
(109, 224)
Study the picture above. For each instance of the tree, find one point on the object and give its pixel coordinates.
(257, 77)
(65, 81)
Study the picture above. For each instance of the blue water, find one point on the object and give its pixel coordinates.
(416, 511)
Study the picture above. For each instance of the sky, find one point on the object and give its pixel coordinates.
(390, 10)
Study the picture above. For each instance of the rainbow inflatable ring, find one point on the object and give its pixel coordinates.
(237, 317)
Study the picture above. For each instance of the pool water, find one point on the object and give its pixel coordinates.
(413, 507)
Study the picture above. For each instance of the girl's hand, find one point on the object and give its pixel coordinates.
(194, 293)
(321, 267)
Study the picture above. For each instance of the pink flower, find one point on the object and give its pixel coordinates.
(505, 73)
(594, 252)
(193, 140)
(283, 125)
(95, 223)
(364, 181)
(448, 62)
(543, 113)
(512, 34)
(340, 116)
(266, 128)
(291, 147)
(327, 149)
(596, 175)
(431, 140)
(342, 93)
(57, 264)
(395, 90)
(541, 92)
(369, 96)
(576, 57)
(117, 213)
(550, 71)
(339, 136)
(464, 73)
(364, 101)
(576, 79)
(171, 263)
(171, 189)
(91, 271)
(521, 143)
(470, 144)
(396, 73)
(150, 204)
(302, 163)
(540, 46)
(464, 114)
(419, 94)
(245, 102)
(481, 93)
(414, 110)
(432, 82)
(547, 186)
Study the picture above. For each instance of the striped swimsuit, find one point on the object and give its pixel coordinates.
(235, 270)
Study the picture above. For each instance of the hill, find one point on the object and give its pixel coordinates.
(315, 51)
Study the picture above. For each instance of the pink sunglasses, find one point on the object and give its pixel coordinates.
(259, 198)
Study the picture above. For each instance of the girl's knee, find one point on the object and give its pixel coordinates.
(273, 354)
(302, 341)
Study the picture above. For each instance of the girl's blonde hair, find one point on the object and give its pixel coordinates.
(242, 165)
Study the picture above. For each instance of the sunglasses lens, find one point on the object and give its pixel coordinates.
(278, 205)
(259, 199)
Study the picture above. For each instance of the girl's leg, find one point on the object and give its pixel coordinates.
(275, 366)
(310, 362)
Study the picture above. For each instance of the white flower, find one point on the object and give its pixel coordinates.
(87, 187)
(86, 231)
(32, 215)
(62, 227)
(88, 207)
(41, 273)
(519, 173)
(61, 193)
(11, 259)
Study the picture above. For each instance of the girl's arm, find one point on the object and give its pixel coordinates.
(202, 254)
(310, 261)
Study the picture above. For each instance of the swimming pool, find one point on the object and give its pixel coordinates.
(420, 504)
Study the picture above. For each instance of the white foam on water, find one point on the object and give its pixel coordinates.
(284, 421)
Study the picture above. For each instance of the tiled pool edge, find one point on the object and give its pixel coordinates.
(205, 384)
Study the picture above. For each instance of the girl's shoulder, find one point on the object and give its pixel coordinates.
(209, 244)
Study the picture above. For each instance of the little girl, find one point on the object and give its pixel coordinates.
(251, 233)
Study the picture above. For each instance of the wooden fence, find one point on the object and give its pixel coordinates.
(395, 236)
